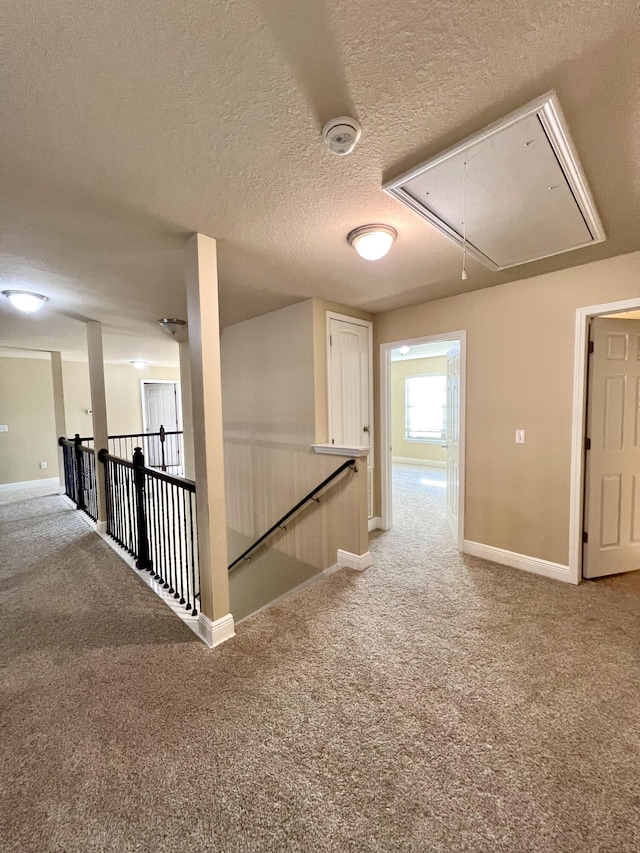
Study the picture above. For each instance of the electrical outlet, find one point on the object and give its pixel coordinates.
(520, 436)
(43, 465)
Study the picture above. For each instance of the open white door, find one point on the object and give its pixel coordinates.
(350, 388)
(612, 481)
(160, 401)
(453, 438)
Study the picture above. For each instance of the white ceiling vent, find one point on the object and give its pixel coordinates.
(524, 195)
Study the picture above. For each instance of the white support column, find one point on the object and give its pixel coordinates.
(187, 410)
(204, 347)
(99, 410)
(58, 410)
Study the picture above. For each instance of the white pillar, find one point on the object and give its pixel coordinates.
(58, 410)
(187, 410)
(204, 347)
(98, 409)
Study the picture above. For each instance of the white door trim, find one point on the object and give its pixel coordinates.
(578, 426)
(386, 496)
(175, 382)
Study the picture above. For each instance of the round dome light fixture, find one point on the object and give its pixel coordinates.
(404, 350)
(171, 325)
(139, 364)
(372, 242)
(24, 301)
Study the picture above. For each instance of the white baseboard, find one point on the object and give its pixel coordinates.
(29, 484)
(517, 561)
(423, 463)
(359, 562)
(214, 633)
(374, 523)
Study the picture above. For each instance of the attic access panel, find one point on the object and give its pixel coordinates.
(526, 195)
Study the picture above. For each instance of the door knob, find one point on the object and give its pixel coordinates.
(365, 429)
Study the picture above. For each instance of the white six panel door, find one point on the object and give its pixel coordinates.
(160, 400)
(453, 438)
(612, 482)
(349, 383)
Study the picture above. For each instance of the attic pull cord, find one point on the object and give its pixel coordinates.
(464, 220)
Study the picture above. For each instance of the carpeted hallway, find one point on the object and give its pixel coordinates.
(432, 703)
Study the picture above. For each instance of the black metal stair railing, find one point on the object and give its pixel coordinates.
(152, 515)
(279, 525)
(162, 449)
(79, 463)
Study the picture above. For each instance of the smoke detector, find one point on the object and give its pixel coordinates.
(341, 135)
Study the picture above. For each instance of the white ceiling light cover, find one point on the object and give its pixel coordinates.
(372, 242)
(25, 301)
(525, 194)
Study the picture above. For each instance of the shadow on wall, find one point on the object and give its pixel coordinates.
(266, 576)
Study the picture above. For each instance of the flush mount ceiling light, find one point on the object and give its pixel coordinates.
(24, 301)
(171, 325)
(139, 364)
(372, 242)
(403, 350)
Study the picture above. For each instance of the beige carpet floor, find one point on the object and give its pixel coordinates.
(432, 703)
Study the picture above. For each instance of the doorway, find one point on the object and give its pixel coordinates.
(422, 404)
(350, 387)
(161, 407)
(611, 522)
(603, 512)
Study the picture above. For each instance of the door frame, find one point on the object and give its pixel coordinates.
(356, 321)
(178, 392)
(584, 316)
(368, 324)
(386, 462)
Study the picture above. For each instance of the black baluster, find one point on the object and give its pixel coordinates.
(107, 496)
(159, 522)
(132, 514)
(181, 520)
(163, 464)
(165, 530)
(143, 561)
(78, 451)
(194, 612)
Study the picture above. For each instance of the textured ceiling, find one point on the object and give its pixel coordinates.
(128, 126)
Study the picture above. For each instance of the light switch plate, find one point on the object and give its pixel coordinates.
(4, 428)
(520, 436)
(43, 465)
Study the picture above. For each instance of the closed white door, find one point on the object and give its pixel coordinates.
(453, 439)
(612, 482)
(349, 389)
(161, 409)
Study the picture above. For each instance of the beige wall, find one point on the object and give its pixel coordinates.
(520, 354)
(124, 400)
(26, 407)
(269, 413)
(419, 450)
(267, 376)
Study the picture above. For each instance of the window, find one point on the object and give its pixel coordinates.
(425, 407)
